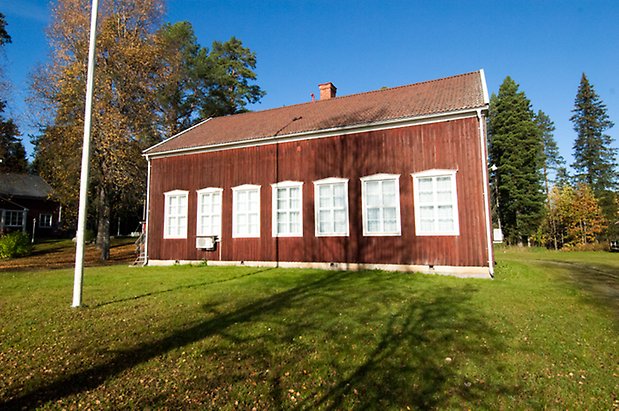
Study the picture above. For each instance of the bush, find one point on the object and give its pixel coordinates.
(15, 244)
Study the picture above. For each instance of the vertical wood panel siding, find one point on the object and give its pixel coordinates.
(445, 145)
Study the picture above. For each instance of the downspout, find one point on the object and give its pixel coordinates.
(147, 225)
(486, 184)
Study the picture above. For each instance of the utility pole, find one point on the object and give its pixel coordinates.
(81, 221)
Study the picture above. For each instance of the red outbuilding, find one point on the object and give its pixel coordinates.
(391, 179)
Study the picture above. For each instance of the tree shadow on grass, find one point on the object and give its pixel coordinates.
(599, 281)
(180, 287)
(369, 340)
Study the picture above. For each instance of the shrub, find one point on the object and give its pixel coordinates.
(15, 244)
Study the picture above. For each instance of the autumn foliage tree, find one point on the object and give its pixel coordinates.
(574, 217)
(124, 103)
(151, 81)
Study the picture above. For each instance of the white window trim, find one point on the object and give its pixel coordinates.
(8, 223)
(166, 213)
(208, 190)
(377, 177)
(235, 191)
(329, 181)
(436, 173)
(285, 184)
(51, 220)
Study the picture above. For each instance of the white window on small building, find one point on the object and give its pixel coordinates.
(246, 211)
(175, 214)
(287, 209)
(381, 205)
(436, 203)
(14, 218)
(209, 212)
(331, 207)
(45, 220)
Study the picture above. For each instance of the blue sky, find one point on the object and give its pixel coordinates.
(364, 45)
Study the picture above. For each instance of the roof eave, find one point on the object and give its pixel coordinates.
(145, 152)
(393, 123)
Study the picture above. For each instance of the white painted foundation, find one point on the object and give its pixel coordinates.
(456, 271)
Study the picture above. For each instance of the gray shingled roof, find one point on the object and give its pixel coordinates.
(23, 185)
(461, 92)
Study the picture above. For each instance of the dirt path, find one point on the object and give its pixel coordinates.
(62, 255)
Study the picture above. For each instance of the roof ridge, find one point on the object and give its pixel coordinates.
(381, 90)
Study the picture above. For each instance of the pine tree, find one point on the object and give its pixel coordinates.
(198, 84)
(4, 35)
(12, 151)
(516, 149)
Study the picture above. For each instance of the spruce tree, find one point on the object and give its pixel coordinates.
(593, 153)
(516, 149)
(553, 165)
(595, 159)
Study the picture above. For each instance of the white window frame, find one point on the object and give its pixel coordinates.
(235, 192)
(208, 191)
(184, 197)
(274, 223)
(434, 174)
(331, 181)
(51, 220)
(7, 218)
(381, 177)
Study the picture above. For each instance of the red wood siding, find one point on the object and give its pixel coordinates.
(445, 145)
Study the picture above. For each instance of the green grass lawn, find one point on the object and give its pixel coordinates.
(543, 334)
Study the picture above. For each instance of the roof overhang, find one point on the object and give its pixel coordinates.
(315, 134)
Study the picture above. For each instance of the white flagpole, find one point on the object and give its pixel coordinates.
(81, 221)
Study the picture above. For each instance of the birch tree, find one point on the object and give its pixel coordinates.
(124, 103)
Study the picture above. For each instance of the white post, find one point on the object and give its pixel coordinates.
(81, 221)
(34, 224)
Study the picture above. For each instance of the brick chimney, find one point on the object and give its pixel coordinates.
(327, 91)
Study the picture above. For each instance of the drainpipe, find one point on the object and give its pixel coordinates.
(485, 184)
(146, 227)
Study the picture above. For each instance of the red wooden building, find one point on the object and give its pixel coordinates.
(26, 205)
(392, 179)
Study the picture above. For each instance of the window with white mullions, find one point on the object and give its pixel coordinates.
(287, 209)
(381, 204)
(175, 214)
(436, 205)
(209, 212)
(331, 206)
(13, 218)
(246, 211)
(45, 220)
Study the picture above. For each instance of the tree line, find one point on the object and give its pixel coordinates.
(536, 200)
(152, 80)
